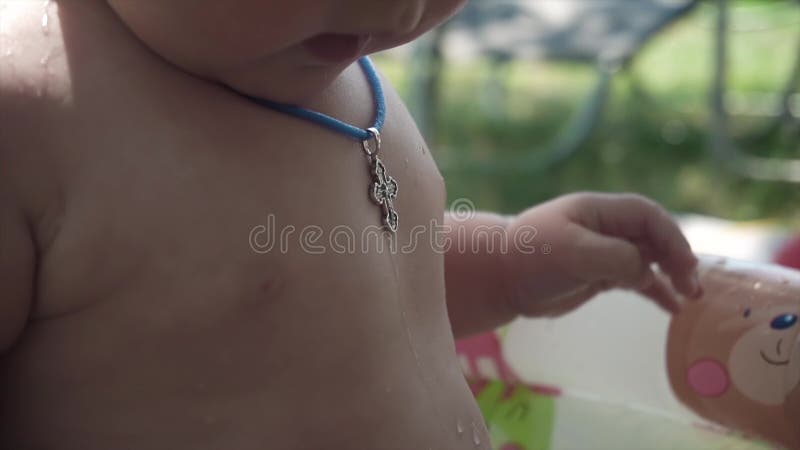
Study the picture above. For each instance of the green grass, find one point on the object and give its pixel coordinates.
(654, 135)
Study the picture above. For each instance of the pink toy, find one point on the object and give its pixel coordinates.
(482, 359)
(734, 356)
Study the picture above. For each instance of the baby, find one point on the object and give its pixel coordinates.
(142, 305)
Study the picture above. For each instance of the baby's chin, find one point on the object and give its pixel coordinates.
(285, 83)
(299, 73)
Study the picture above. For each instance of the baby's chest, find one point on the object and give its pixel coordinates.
(205, 212)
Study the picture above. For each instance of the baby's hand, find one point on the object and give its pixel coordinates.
(597, 242)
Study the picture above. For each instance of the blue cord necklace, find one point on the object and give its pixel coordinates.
(383, 189)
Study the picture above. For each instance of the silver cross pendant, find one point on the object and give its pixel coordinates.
(383, 190)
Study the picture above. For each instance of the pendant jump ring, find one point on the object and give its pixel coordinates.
(375, 135)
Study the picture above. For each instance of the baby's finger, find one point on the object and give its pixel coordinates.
(662, 295)
(684, 280)
(637, 218)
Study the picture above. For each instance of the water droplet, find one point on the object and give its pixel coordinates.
(476, 438)
(45, 59)
(46, 18)
(784, 281)
(459, 428)
(757, 285)
(9, 52)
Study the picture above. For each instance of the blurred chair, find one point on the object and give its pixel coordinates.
(726, 149)
(606, 34)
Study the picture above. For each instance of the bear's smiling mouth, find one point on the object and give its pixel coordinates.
(772, 361)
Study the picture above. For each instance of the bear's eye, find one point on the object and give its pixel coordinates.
(747, 312)
(784, 322)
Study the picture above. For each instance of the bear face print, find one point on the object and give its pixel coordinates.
(734, 357)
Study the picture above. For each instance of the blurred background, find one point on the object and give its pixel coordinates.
(693, 103)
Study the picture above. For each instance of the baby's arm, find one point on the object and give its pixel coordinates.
(475, 290)
(559, 255)
(17, 261)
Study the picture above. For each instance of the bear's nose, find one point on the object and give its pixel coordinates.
(784, 322)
